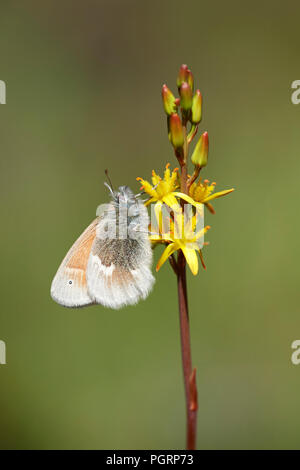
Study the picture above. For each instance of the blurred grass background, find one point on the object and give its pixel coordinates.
(83, 94)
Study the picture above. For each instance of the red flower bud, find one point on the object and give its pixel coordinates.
(176, 131)
(182, 76)
(186, 96)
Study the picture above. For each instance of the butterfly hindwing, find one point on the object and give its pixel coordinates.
(118, 271)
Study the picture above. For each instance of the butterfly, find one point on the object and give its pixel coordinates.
(110, 263)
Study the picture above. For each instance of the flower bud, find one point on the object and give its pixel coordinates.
(182, 76)
(176, 131)
(190, 79)
(199, 157)
(196, 114)
(168, 100)
(185, 75)
(186, 96)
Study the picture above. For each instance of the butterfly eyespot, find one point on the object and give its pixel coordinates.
(70, 282)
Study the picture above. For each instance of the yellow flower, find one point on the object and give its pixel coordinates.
(163, 190)
(202, 192)
(187, 243)
(172, 230)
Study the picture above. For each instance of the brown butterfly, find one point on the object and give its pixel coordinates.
(110, 263)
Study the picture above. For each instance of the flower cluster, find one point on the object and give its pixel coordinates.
(176, 188)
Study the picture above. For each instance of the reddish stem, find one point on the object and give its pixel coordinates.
(188, 373)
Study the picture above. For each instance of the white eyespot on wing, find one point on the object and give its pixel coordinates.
(69, 287)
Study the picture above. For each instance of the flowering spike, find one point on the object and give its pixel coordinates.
(186, 95)
(183, 75)
(179, 230)
(199, 157)
(176, 131)
(196, 114)
(169, 101)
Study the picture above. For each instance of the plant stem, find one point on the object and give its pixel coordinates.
(188, 373)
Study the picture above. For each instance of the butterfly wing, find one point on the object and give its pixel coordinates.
(118, 271)
(69, 286)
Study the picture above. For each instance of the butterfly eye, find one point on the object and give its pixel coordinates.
(70, 282)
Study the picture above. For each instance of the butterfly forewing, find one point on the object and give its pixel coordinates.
(69, 286)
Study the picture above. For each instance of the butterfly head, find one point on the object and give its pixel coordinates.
(124, 195)
(127, 208)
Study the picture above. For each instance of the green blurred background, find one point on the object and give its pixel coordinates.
(83, 94)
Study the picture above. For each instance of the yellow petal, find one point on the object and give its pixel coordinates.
(219, 194)
(155, 178)
(171, 201)
(167, 173)
(150, 201)
(202, 232)
(191, 259)
(167, 252)
(174, 179)
(147, 187)
(186, 198)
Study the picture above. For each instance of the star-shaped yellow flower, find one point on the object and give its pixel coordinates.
(163, 190)
(187, 243)
(202, 192)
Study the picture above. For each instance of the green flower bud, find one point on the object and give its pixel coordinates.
(176, 131)
(200, 154)
(196, 114)
(168, 100)
(186, 96)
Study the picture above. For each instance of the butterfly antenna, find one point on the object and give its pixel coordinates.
(139, 194)
(108, 179)
(110, 190)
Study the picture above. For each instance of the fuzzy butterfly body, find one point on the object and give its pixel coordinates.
(110, 263)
